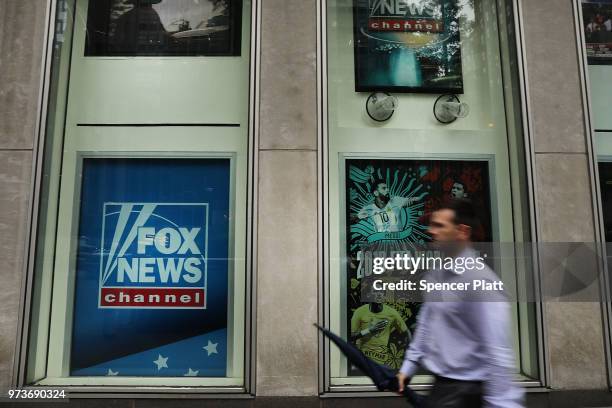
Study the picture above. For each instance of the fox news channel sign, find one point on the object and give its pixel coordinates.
(405, 16)
(152, 267)
(408, 46)
(148, 260)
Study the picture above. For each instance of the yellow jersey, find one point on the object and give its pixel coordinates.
(376, 346)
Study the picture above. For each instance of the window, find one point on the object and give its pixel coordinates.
(142, 232)
(597, 25)
(597, 39)
(423, 102)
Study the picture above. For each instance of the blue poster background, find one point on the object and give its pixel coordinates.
(151, 342)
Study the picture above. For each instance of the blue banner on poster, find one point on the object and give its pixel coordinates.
(152, 268)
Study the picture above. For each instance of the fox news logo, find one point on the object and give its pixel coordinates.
(405, 16)
(153, 256)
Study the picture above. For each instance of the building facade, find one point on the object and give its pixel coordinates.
(185, 188)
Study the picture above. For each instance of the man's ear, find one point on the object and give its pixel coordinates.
(465, 232)
(376, 193)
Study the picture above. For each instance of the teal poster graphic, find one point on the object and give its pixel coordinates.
(408, 45)
(388, 207)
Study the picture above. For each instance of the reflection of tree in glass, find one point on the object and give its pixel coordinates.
(222, 5)
(465, 16)
(441, 57)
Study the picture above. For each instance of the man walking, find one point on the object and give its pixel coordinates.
(464, 342)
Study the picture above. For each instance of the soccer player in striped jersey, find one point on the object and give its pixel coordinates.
(385, 210)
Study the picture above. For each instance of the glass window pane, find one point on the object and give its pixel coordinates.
(597, 25)
(398, 149)
(163, 27)
(141, 256)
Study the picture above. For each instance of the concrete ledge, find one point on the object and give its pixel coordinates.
(553, 399)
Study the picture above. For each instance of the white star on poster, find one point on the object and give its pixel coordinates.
(192, 373)
(211, 348)
(112, 373)
(161, 362)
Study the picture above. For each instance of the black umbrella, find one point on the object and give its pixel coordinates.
(384, 377)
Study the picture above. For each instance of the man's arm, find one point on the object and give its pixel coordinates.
(356, 326)
(406, 201)
(355, 322)
(361, 215)
(403, 201)
(492, 324)
(370, 330)
(400, 324)
(415, 350)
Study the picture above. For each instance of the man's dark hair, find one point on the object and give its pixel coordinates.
(465, 212)
(377, 182)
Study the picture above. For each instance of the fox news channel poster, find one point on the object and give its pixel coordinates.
(389, 203)
(597, 17)
(151, 289)
(164, 28)
(407, 46)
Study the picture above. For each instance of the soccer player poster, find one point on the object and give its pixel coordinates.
(407, 46)
(151, 288)
(388, 206)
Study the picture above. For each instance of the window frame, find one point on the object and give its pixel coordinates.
(325, 384)
(593, 160)
(34, 209)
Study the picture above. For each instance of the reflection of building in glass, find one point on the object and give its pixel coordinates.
(206, 28)
(163, 27)
(139, 30)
